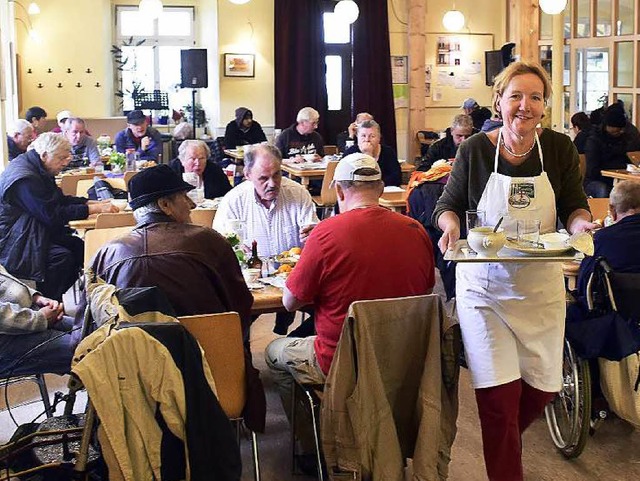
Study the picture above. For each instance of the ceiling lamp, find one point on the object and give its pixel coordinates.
(453, 20)
(150, 8)
(553, 7)
(239, 2)
(33, 9)
(347, 10)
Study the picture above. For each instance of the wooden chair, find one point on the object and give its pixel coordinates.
(69, 183)
(327, 198)
(634, 157)
(127, 177)
(84, 185)
(598, 207)
(220, 336)
(119, 219)
(583, 165)
(203, 217)
(330, 149)
(96, 238)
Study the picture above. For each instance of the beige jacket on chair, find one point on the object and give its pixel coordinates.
(392, 391)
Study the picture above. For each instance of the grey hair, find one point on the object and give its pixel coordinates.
(70, 120)
(462, 121)
(369, 124)
(19, 127)
(625, 196)
(307, 113)
(150, 208)
(50, 143)
(361, 184)
(250, 155)
(186, 144)
(364, 114)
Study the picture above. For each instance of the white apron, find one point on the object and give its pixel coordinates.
(512, 314)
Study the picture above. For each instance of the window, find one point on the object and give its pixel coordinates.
(151, 52)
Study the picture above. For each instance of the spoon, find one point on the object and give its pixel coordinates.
(495, 229)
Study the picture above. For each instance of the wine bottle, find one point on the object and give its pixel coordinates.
(254, 261)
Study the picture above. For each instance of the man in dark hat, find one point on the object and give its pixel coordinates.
(243, 130)
(145, 140)
(194, 266)
(606, 148)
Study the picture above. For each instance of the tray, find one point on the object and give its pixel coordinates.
(460, 253)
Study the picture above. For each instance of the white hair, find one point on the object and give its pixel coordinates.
(19, 127)
(307, 113)
(50, 143)
(150, 208)
(196, 144)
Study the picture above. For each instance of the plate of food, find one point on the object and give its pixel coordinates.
(537, 248)
(290, 257)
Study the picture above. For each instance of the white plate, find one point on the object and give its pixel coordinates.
(536, 251)
(255, 285)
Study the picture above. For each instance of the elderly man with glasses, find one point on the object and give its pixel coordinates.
(301, 138)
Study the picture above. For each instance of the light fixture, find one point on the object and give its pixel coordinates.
(33, 9)
(553, 7)
(453, 20)
(239, 2)
(347, 11)
(150, 8)
(30, 30)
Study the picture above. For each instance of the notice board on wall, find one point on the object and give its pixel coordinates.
(456, 69)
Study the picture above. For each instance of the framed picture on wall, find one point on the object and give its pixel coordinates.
(239, 65)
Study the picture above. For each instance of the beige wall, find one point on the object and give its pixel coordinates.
(77, 34)
(482, 16)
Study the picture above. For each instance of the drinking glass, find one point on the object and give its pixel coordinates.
(475, 218)
(528, 231)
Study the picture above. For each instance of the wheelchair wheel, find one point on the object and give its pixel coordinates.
(569, 414)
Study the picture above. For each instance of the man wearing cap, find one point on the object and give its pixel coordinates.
(362, 253)
(243, 130)
(145, 140)
(606, 148)
(19, 135)
(477, 113)
(194, 266)
(61, 118)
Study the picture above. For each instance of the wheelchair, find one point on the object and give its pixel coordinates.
(572, 416)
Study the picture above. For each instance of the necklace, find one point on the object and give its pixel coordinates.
(518, 155)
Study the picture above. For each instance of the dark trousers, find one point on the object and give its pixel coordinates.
(505, 412)
(66, 255)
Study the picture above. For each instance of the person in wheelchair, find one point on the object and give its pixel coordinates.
(28, 319)
(619, 243)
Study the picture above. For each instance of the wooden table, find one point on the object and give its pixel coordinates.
(395, 201)
(234, 154)
(305, 174)
(619, 175)
(90, 222)
(268, 299)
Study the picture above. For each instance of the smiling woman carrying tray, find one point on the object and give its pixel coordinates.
(512, 314)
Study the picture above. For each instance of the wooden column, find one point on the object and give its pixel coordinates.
(557, 66)
(524, 25)
(417, 41)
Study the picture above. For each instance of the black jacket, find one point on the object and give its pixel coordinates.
(234, 135)
(216, 183)
(604, 151)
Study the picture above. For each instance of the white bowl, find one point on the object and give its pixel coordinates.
(120, 203)
(485, 242)
(309, 157)
(554, 240)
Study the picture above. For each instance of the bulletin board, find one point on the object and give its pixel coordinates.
(455, 69)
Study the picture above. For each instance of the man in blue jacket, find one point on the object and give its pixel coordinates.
(145, 140)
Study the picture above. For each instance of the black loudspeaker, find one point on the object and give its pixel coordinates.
(193, 64)
(493, 64)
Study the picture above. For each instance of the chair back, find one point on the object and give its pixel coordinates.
(127, 177)
(117, 219)
(583, 165)
(84, 185)
(220, 336)
(634, 157)
(327, 193)
(617, 291)
(330, 149)
(203, 217)
(598, 207)
(69, 183)
(96, 238)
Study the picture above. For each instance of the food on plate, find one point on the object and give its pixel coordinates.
(284, 268)
(295, 251)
